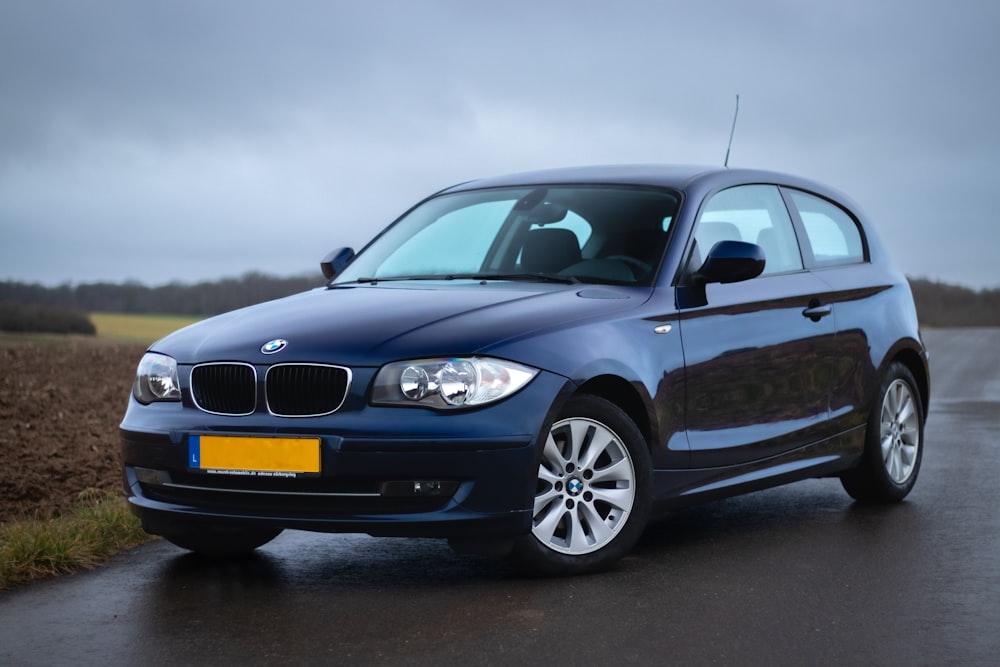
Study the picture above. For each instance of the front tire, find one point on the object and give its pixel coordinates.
(593, 491)
(222, 542)
(894, 442)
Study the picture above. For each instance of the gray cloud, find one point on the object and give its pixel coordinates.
(191, 140)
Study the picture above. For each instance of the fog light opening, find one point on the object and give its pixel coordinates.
(426, 488)
(419, 487)
(150, 476)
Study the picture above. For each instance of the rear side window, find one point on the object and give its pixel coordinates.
(832, 234)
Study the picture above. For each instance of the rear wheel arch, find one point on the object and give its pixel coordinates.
(894, 440)
(915, 364)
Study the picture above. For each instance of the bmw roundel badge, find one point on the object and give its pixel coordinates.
(272, 346)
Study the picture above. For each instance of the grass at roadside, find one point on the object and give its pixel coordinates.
(99, 527)
(48, 426)
(138, 328)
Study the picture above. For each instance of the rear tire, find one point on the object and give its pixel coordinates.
(222, 542)
(894, 442)
(593, 492)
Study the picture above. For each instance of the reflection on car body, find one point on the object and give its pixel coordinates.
(535, 365)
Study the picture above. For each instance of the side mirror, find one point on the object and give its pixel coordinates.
(731, 262)
(335, 261)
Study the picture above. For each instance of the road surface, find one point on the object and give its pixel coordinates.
(791, 576)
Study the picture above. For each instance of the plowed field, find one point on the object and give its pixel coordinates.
(61, 400)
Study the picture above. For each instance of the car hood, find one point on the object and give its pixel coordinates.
(368, 325)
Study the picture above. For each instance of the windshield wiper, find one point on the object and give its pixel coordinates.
(386, 279)
(525, 277)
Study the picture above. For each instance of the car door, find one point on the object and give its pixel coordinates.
(759, 353)
(835, 250)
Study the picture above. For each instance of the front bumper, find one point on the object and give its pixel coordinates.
(480, 490)
(384, 471)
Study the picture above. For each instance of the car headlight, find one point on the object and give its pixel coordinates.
(156, 379)
(449, 383)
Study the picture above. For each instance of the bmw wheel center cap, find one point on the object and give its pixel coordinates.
(272, 346)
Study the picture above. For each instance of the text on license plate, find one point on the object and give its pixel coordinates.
(242, 453)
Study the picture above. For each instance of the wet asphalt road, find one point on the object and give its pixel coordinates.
(791, 576)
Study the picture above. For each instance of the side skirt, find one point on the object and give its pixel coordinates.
(679, 488)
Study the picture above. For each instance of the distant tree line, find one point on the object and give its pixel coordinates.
(62, 309)
(205, 298)
(33, 318)
(943, 305)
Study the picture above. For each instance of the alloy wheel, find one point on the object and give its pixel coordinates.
(586, 487)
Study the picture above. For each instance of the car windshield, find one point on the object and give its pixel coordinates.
(594, 234)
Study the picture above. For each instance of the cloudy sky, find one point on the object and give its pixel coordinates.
(192, 140)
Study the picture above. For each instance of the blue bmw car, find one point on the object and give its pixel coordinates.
(534, 366)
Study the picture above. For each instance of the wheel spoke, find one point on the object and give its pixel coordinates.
(547, 476)
(594, 451)
(546, 528)
(580, 435)
(906, 412)
(892, 399)
(552, 455)
(543, 499)
(578, 540)
(886, 445)
(617, 471)
(617, 498)
(907, 454)
(893, 463)
(600, 530)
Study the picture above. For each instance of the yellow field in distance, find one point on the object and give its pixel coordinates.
(138, 328)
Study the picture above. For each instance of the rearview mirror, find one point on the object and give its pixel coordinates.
(546, 214)
(335, 261)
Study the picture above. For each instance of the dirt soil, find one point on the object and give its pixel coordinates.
(61, 400)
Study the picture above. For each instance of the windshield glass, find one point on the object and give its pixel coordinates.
(598, 234)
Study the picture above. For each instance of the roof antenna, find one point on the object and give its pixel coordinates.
(732, 132)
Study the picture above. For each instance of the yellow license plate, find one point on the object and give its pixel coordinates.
(253, 454)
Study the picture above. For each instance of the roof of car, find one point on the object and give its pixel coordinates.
(677, 176)
(672, 176)
(682, 177)
(662, 175)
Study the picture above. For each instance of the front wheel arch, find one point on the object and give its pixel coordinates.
(637, 405)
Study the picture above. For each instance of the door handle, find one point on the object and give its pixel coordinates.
(816, 312)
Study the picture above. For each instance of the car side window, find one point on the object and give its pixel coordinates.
(752, 213)
(832, 234)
